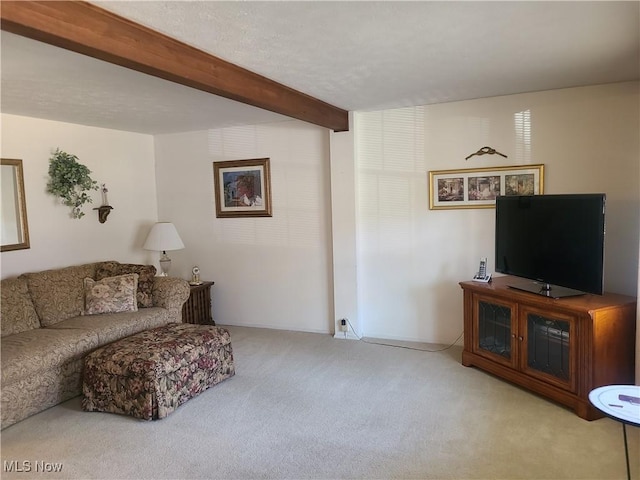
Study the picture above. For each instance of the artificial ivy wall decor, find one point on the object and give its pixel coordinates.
(70, 181)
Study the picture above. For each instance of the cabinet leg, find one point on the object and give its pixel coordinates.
(465, 360)
(587, 411)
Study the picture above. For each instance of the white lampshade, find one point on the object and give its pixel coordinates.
(162, 237)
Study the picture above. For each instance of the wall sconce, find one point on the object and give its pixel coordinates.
(105, 209)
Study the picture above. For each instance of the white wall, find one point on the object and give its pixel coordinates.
(122, 160)
(410, 259)
(343, 229)
(277, 272)
(268, 271)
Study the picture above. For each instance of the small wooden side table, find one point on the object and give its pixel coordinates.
(197, 309)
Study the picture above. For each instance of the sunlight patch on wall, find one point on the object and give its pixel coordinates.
(448, 136)
(522, 126)
(391, 140)
(235, 143)
(391, 167)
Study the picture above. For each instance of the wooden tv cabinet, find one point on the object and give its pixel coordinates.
(561, 349)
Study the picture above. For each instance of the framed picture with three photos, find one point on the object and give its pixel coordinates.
(479, 187)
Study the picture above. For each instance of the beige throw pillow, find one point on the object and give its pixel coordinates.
(146, 275)
(111, 294)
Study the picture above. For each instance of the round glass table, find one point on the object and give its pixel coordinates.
(621, 403)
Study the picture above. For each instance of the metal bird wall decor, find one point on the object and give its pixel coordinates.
(486, 150)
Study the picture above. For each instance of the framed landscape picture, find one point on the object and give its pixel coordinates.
(242, 188)
(479, 187)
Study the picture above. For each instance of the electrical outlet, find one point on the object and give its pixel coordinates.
(343, 325)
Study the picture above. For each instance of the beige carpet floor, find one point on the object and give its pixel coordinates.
(308, 406)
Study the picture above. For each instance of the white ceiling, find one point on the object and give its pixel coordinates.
(356, 55)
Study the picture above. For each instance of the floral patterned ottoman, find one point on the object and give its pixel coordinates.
(150, 374)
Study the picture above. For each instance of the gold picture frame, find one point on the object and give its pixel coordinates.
(242, 188)
(479, 187)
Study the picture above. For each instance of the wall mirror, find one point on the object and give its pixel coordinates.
(14, 229)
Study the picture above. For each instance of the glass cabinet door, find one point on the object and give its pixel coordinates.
(494, 332)
(548, 352)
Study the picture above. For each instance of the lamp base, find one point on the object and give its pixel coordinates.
(165, 265)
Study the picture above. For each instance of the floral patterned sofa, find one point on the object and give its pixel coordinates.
(52, 319)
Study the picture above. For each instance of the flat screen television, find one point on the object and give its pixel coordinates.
(554, 241)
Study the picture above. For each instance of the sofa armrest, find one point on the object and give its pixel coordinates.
(170, 293)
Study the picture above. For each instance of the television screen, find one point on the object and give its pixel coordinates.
(555, 240)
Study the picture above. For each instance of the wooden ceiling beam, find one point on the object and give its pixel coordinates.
(88, 29)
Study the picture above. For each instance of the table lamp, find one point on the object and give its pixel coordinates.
(163, 236)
